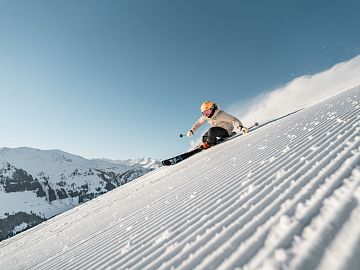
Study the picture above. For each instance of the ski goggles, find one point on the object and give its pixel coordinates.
(207, 112)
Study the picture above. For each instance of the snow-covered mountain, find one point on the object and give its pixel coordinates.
(37, 184)
(285, 196)
(145, 162)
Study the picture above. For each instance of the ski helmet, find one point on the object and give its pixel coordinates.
(206, 106)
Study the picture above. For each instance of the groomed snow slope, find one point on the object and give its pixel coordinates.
(286, 196)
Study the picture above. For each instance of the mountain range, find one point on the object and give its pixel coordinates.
(36, 185)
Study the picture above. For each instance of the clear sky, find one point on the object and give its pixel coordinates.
(122, 79)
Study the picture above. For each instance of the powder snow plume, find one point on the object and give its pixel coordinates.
(299, 93)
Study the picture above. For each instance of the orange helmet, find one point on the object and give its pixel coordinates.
(206, 106)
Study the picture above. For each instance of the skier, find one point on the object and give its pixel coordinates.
(222, 124)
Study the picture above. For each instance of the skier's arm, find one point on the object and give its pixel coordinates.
(231, 119)
(198, 123)
(235, 122)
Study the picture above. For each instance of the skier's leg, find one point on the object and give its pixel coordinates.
(215, 132)
(205, 136)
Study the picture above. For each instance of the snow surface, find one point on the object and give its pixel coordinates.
(285, 196)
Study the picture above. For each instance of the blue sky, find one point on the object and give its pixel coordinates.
(122, 79)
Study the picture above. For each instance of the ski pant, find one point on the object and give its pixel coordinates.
(211, 135)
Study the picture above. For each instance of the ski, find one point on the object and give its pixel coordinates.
(181, 157)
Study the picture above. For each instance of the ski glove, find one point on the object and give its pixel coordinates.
(244, 130)
(190, 133)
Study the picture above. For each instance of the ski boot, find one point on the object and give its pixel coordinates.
(205, 145)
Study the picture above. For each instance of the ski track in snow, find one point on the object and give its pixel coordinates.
(286, 196)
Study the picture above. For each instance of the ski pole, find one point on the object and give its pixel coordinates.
(254, 125)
